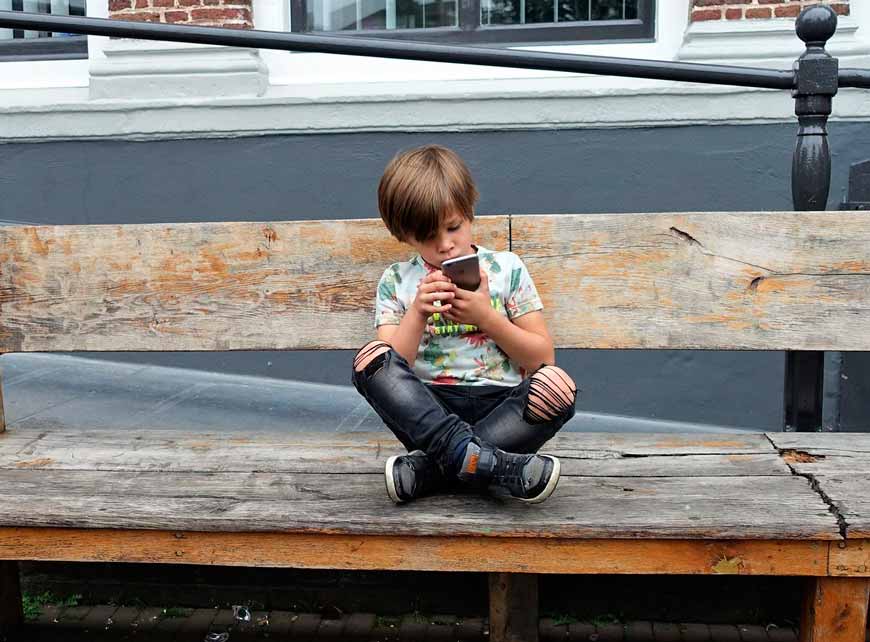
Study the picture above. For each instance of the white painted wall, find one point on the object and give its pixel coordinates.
(146, 90)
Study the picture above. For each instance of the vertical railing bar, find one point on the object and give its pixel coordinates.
(816, 78)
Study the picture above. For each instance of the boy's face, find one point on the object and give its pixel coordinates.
(452, 239)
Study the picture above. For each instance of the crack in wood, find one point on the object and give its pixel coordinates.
(788, 456)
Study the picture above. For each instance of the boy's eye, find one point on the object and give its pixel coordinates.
(453, 228)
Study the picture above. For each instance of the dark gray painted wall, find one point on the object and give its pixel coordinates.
(709, 168)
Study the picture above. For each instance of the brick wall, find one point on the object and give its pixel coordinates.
(236, 14)
(757, 9)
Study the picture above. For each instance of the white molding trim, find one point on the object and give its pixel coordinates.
(769, 43)
(544, 105)
(148, 69)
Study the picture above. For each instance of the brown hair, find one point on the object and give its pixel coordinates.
(422, 185)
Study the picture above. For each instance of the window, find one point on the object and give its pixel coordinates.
(19, 44)
(478, 21)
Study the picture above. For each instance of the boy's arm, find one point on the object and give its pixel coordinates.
(525, 339)
(405, 337)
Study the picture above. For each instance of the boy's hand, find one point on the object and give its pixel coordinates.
(434, 287)
(475, 307)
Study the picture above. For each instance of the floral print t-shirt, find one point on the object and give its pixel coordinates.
(460, 354)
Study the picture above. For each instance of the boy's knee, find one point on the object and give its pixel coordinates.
(368, 353)
(552, 393)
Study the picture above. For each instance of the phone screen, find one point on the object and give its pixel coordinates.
(464, 271)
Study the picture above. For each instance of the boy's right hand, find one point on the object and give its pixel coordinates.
(434, 287)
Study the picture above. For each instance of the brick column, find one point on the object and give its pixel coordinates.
(134, 69)
(756, 9)
(236, 14)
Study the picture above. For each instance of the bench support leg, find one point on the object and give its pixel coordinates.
(513, 607)
(2, 412)
(11, 615)
(835, 609)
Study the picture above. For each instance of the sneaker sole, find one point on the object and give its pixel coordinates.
(388, 477)
(551, 485)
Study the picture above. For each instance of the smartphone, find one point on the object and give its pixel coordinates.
(464, 271)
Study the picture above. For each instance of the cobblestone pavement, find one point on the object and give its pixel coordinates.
(112, 623)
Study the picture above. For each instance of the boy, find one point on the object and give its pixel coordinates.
(465, 380)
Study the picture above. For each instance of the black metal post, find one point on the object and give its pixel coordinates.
(816, 80)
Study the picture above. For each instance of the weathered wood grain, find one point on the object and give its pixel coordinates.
(743, 281)
(747, 280)
(593, 455)
(834, 608)
(839, 463)
(849, 495)
(845, 443)
(850, 558)
(386, 552)
(513, 607)
(772, 507)
(198, 286)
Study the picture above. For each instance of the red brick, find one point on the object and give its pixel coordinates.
(176, 16)
(189, 3)
(706, 14)
(142, 16)
(163, 3)
(708, 3)
(759, 13)
(771, 1)
(120, 5)
(218, 14)
(733, 14)
(738, 1)
(840, 9)
(791, 11)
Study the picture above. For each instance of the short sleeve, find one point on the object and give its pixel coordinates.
(522, 296)
(389, 310)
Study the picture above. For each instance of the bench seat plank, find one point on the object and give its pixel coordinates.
(839, 464)
(433, 553)
(39, 446)
(772, 507)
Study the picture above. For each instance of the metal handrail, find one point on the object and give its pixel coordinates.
(382, 48)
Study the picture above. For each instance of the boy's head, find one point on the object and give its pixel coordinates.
(420, 189)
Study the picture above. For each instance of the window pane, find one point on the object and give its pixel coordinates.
(337, 15)
(502, 12)
(53, 7)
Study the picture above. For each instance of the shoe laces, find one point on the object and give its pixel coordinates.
(510, 470)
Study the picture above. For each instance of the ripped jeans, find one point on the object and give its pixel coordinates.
(438, 419)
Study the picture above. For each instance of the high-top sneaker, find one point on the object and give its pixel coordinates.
(413, 475)
(528, 478)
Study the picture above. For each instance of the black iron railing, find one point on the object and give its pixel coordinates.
(813, 81)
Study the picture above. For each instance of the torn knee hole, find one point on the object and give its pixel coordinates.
(369, 356)
(549, 398)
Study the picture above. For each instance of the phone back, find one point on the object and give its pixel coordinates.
(464, 271)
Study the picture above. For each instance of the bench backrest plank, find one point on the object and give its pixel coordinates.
(747, 280)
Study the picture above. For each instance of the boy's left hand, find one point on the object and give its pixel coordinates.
(472, 307)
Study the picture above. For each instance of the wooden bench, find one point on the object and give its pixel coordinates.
(756, 503)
